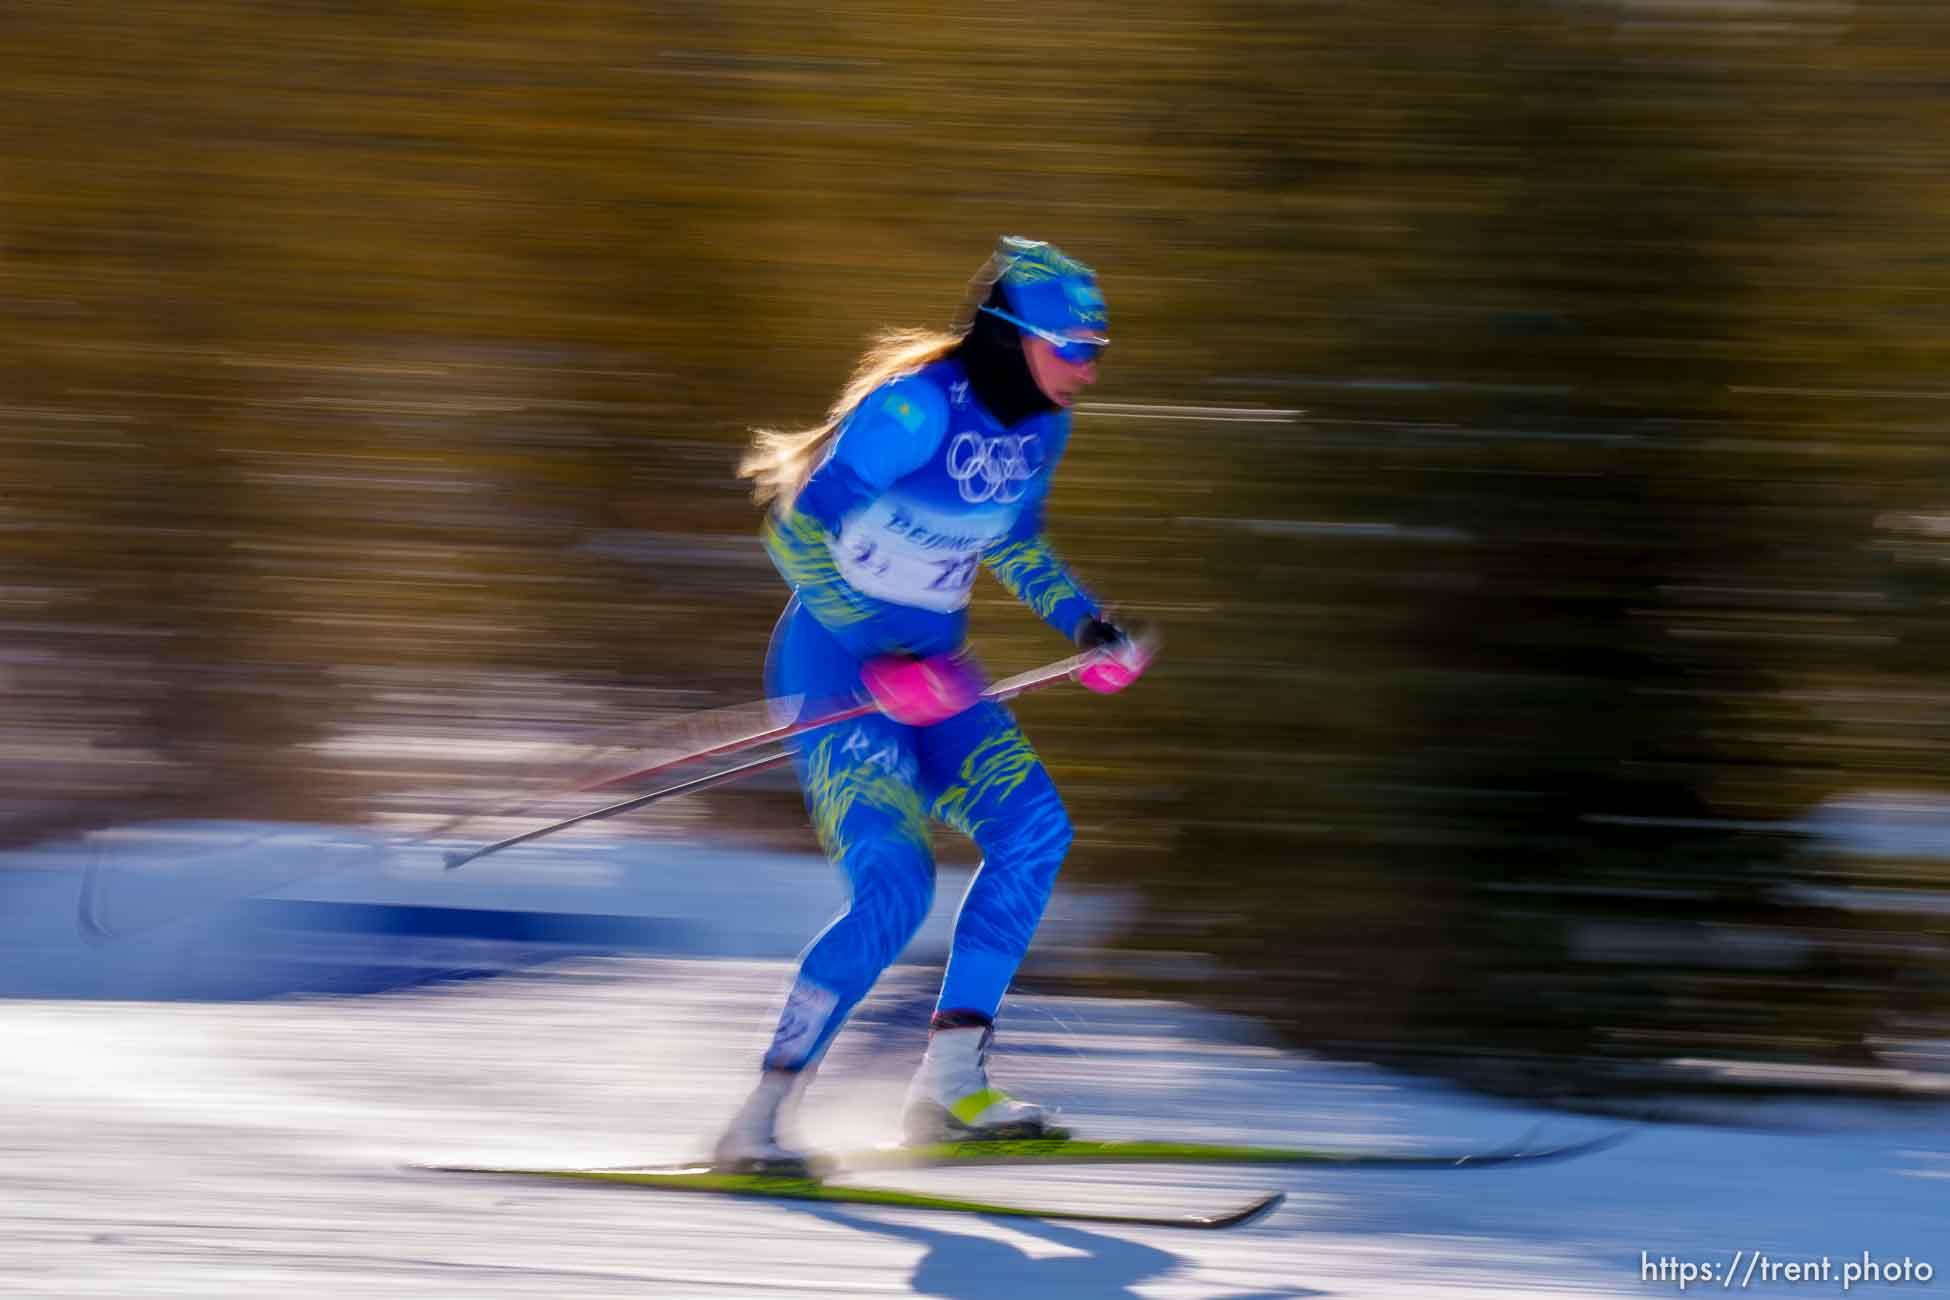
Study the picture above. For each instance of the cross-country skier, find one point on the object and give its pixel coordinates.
(934, 461)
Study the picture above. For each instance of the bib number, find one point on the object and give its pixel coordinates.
(886, 552)
(957, 574)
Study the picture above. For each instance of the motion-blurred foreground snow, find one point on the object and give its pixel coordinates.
(251, 1148)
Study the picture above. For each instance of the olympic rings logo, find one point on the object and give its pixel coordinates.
(993, 469)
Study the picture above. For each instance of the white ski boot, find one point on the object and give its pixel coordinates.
(750, 1144)
(951, 1100)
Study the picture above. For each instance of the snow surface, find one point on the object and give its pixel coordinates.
(262, 1148)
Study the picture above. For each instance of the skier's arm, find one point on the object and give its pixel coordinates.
(893, 433)
(1027, 566)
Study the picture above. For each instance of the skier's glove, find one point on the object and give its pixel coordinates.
(1115, 659)
(922, 692)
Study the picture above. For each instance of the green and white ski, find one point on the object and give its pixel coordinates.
(1077, 1151)
(702, 1178)
(816, 1186)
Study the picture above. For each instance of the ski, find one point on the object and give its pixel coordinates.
(1073, 1151)
(702, 1178)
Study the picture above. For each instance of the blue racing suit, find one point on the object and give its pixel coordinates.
(920, 488)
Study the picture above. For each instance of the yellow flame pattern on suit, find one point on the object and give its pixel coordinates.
(1031, 572)
(835, 789)
(989, 775)
(1031, 263)
(799, 547)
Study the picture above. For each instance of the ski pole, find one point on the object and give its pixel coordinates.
(1006, 689)
(742, 737)
(462, 858)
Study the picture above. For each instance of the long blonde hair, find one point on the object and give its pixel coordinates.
(780, 461)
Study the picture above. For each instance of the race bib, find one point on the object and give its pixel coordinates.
(908, 555)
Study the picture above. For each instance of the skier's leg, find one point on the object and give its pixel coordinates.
(859, 783)
(860, 780)
(987, 782)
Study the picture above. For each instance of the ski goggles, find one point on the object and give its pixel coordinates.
(1076, 346)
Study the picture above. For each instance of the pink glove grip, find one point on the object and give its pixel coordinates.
(1112, 670)
(921, 692)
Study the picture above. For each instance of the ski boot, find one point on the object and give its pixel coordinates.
(951, 1100)
(750, 1143)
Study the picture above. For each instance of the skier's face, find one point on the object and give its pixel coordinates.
(1060, 380)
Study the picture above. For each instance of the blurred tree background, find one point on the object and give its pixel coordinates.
(1525, 418)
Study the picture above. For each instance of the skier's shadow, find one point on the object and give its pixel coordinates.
(961, 1266)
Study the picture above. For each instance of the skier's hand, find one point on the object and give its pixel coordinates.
(1116, 660)
(922, 692)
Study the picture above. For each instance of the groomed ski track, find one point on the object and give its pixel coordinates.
(254, 1149)
(250, 1149)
